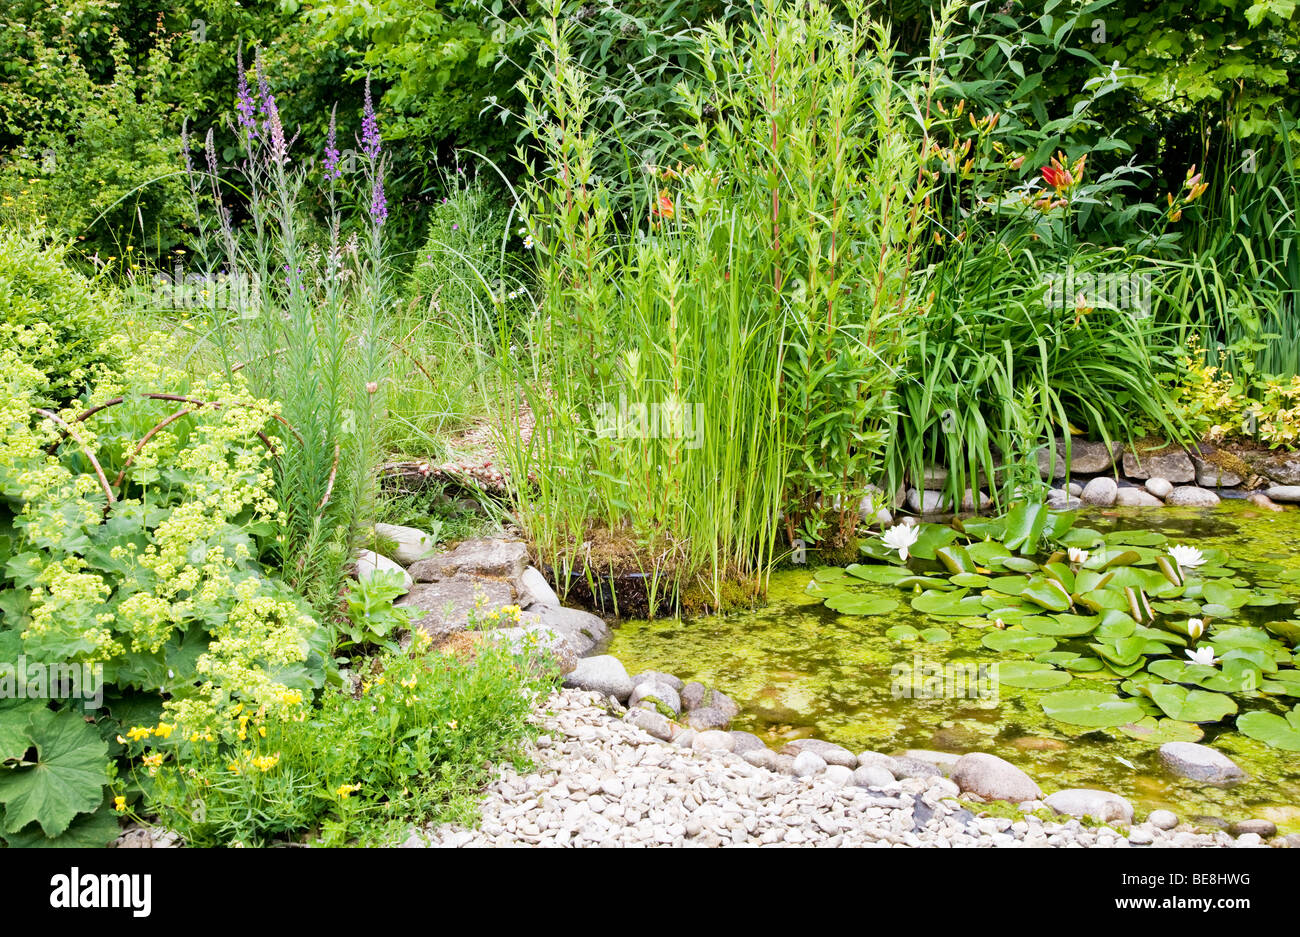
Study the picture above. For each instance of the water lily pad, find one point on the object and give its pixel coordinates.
(1158, 731)
(955, 558)
(903, 633)
(883, 575)
(1063, 626)
(1030, 675)
(956, 604)
(1091, 708)
(830, 574)
(935, 635)
(988, 552)
(1015, 639)
(1273, 730)
(1048, 593)
(1020, 564)
(1186, 705)
(970, 580)
(861, 604)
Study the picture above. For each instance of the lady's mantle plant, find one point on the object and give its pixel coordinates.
(129, 535)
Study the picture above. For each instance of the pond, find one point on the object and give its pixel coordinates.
(799, 669)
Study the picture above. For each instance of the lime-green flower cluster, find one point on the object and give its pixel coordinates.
(135, 541)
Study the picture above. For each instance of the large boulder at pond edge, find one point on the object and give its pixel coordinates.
(1174, 465)
(536, 641)
(605, 674)
(993, 779)
(499, 559)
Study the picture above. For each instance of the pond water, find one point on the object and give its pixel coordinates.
(799, 669)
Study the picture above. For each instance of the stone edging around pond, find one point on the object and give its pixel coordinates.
(444, 589)
(1104, 476)
(598, 780)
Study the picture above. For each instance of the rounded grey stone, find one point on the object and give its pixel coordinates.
(830, 753)
(1159, 487)
(1200, 763)
(1163, 819)
(993, 778)
(604, 673)
(1100, 491)
(1192, 497)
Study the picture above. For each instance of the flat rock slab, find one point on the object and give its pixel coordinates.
(498, 559)
(444, 607)
(1086, 458)
(1172, 466)
(1200, 763)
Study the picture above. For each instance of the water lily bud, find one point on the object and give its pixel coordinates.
(1195, 628)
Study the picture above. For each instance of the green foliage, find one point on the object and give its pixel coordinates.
(92, 155)
(57, 321)
(129, 537)
(412, 745)
(372, 618)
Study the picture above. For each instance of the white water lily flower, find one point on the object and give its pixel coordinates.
(900, 537)
(1195, 628)
(1187, 557)
(1203, 655)
(1078, 556)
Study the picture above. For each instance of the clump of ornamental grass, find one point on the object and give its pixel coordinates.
(307, 331)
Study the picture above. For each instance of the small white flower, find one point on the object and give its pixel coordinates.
(1203, 655)
(1078, 556)
(528, 242)
(1187, 557)
(900, 537)
(1195, 628)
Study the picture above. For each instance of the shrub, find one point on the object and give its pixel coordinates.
(413, 743)
(53, 317)
(134, 548)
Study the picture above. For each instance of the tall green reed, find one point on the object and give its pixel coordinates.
(723, 354)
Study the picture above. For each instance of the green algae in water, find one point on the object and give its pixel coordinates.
(799, 669)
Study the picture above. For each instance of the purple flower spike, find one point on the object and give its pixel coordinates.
(244, 105)
(370, 139)
(271, 125)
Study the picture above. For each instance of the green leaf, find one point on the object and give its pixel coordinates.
(1272, 730)
(1158, 731)
(88, 831)
(67, 778)
(1192, 705)
(1014, 639)
(1031, 675)
(861, 604)
(1091, 708)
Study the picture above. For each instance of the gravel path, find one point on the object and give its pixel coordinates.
(600, 781)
